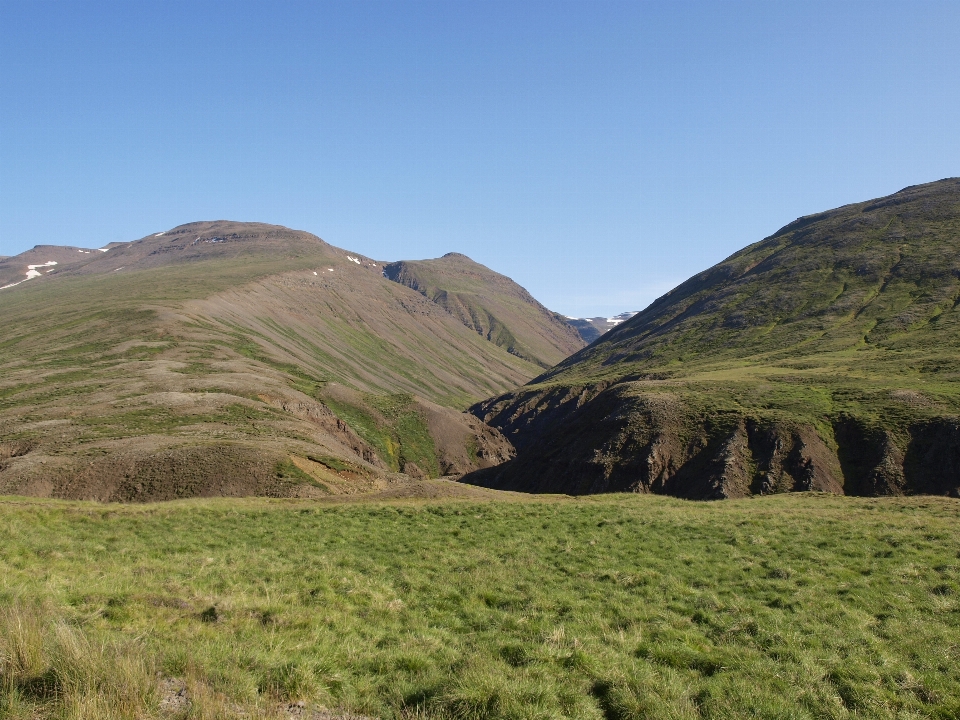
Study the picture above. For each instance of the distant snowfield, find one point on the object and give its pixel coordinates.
(32, 272)
(615, 320)
(353, 259)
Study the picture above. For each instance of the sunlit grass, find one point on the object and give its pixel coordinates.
(801, 606)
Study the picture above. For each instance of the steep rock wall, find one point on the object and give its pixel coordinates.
(627, 438)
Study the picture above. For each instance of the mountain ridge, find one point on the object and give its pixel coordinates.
(491, 304)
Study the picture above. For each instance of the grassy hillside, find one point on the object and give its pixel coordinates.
(824, 356)
(878, 275)
(206, 355)
(491, 304)
(625, 607)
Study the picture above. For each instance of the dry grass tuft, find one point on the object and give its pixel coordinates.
(49, 666)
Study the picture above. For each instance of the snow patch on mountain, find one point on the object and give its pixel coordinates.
(31, 273)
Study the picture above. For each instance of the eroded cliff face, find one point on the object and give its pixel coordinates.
(628, 438)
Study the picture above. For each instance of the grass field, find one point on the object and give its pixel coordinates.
(796, 606)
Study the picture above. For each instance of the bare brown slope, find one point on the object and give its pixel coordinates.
(491, 304)
(201, 367)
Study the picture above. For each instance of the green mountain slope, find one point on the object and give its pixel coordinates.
(491, 304)
(823, 357)
(236, 358)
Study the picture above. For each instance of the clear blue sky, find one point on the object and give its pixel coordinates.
(596, 152)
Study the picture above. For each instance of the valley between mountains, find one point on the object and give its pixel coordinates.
(233, 359)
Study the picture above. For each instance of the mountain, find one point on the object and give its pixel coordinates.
(592, 328)
(39, 261)
(226, 358)
(823, 357)
(491, 304)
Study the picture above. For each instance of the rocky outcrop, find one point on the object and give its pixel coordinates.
(612, 443)
(324, 418)
(463, 442)
(525, 416)
(871, 458)
(792, 458)
(932, 461)
(627, 438)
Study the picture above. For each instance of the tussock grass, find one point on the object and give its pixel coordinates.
(49, 666)
(801, 606)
